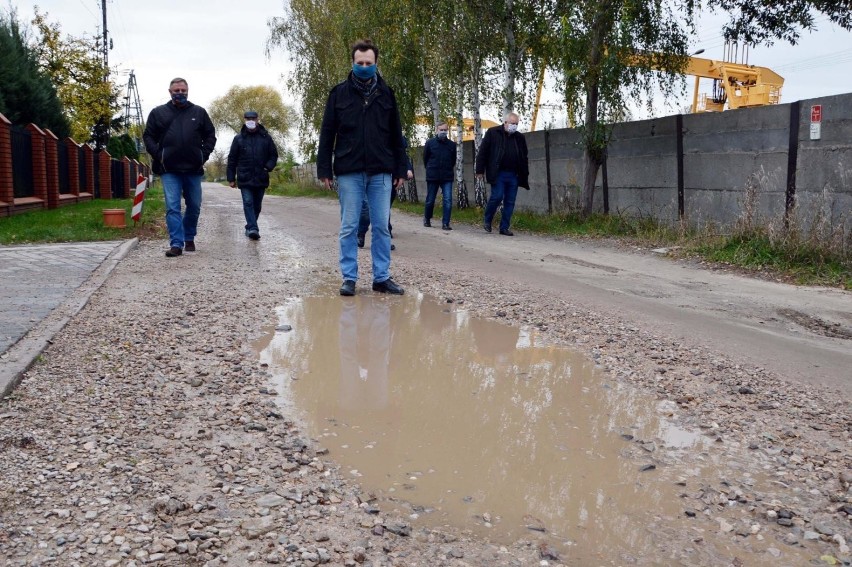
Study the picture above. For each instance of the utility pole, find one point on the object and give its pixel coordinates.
(102, 127)
(106, 38)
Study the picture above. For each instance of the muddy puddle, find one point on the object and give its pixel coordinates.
(453, 420)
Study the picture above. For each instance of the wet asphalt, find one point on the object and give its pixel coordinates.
(42, 286)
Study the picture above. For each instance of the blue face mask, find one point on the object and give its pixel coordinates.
(179, 98)
(363, 72)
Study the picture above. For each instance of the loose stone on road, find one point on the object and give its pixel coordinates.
(150, 431)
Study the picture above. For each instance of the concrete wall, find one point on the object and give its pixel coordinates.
(824, 166)
(733, 161)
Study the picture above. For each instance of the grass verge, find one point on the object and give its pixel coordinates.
(83, 222)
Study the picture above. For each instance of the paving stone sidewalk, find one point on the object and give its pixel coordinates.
(35, 280)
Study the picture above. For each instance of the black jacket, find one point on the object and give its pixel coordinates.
(179, 139)
(491, 153)
(439, 159)
(363, 134)
(253, 155)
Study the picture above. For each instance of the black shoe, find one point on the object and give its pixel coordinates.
(360, 241)
(506, 232)
(393, 246)
(486, 226)
(427, 223)
(173, 251)
(348, 288)
(254, 235)
(189, 246)
(446, 227)
(388, 286)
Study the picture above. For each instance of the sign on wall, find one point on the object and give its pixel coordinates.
(816, 121)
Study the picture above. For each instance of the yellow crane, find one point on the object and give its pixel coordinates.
(735, 85)
(738, 85)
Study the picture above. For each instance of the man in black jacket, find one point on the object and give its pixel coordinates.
(180, 138)
(361, 129)
(439, 159)
(503, 160)
(253, 155)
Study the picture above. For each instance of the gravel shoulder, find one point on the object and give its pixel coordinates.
(147, 432)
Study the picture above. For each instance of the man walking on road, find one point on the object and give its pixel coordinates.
(180, 137)
(253, 155)
(503, 160)
(361, 129)
(439, 159)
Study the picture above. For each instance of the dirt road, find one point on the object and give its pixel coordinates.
(148, 431)
(802, 334)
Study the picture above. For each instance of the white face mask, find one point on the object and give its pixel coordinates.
(251, 124)
(511, 128)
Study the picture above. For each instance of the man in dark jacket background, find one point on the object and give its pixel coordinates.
(439, 159)
(180, 137)
(361, 129)
(503, 160)
(253, 155)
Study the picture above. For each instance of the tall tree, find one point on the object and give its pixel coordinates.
(75, 66)
(227, 111)
(756, 22)
(26, 92)
(318, 33)
(607, 53)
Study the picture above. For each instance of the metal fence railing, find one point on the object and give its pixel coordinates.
(22, 158)
(82, 176)
(117, 179)
(62, 157)
(96, 173)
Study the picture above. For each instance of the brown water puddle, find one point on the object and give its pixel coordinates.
(456, 420)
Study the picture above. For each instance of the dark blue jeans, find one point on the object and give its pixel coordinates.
(505, 190)
(252, 201)
(182, 227)
(447, 202)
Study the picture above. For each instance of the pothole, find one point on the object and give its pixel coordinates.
(453, 420)
(816, 325)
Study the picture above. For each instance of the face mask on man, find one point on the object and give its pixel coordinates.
(364, 72)
(179, 98)
(511, 128)
(251, 124)
(442, 134)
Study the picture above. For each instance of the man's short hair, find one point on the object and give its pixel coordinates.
(511, 114)
(178, 80)
(364, 45)
(252, 114)
(442, 123)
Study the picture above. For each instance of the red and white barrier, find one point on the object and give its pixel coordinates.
(138, 197)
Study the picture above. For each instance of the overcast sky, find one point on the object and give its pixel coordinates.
(216, 44)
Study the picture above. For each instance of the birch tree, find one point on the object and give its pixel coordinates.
(607, 52)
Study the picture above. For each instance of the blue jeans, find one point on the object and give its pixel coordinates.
(432, 192)
(252, 202)
(352, 189)
(505, 190)
(182, 228)
(364, 221)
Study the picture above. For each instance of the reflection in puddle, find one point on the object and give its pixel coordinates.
(463, 421)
